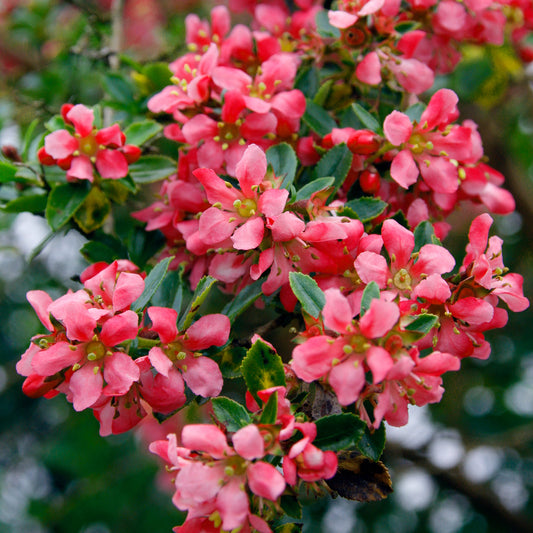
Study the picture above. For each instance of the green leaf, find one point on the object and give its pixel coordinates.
(55, 123)
(370, 293)
(322, 95)
(336, 432)
(262, 368)
(230, 414)
(423, 323)
(415, 111)
(200, 294)
(307, 291)
(63, 201)
(335, 162)
(316, 185)
(284, 163)
(92, 213)
(95, 251)
(424, 234)
(32, 203)
(367, 207)
(28, 140)
(372, 444)
(292, 507)
(307, 81)
(119, 88)
(159, 75)
(140, 132)
(318, 119)
(117, 190)
(323, 26)
(7, 172)
(243, 300)
(151, 168)
(270, 410)
(151, 283)
(230, 360)
(366, 118)
(170, 292)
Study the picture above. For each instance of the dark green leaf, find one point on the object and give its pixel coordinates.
(370, 293)
(119, 88)
(140, 132)
(230, 360)
(230, 414)
(323, 26)
(32, 203)
(151, 283)
(366, 118)
(262, 368)
(7, 172)
(170, 292)
(321, 96)
(307, 291)
(415, 111)
(200, 294)
(64, 200)
(367, 208)
(95, 251)
(336, 432)
(243, 300)
(284, 163)
(307, 81)
(316, 185)
(152, 168)
(159, 75)
(292, 507)
(372, 443)
(270, 410)
(424, 234)
(335, 162)
(318, 119)
(423, 323)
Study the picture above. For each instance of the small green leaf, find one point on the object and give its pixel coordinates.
(95, 251)
(336, 432)
(423, 323)
(262, 368)
(7, 172)
(159, 75)
(55, 123)
(323, 26)
(322, 95)
(318, 119)
(307, 291)
(151, 283)
(151, 168)
(372, 443)
(335, 162)
(316, 185)
(119, 88)
(243, 300)
(284, 163)
(64, 200)
(28, 140)
(270, 410)
(140, 132)
(415, 111)
(424, 234)
(170, 292)
(370, 293)
(92, 213)
(230, 414)
(366, 118)
(200, 294)
(367, 208)
(32, 203)
(307, 81)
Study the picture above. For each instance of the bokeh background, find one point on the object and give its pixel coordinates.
(463, 465)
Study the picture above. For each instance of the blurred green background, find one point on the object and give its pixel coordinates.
(463, 465)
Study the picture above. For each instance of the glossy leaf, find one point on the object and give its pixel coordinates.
(367, 208)
(307, 291)
(200, 294)
(231, 414)
(370, 293)
(284, 163)
(140, 132)
(151, 284)
(63, 201)
(339, 431)
(151, 168)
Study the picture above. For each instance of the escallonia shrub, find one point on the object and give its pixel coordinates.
(302, 182)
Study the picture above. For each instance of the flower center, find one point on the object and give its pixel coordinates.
(402, 279)
(88, 145)
(175, 351)
(246, 208)
(95, 350)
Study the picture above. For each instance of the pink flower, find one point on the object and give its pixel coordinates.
(88, 148)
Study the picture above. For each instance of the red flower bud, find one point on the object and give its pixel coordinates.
(45, 158)
(363, 142)
(65, 162)
(131, 153)
(369, 181)
(65, 108)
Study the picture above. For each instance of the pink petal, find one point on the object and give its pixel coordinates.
(40, 301)
(342, 19)
(216, 188)
(250, 235)
(215, 226)
(163, 394)
(82, 118)
(120, 328)
(86, 386)
(56, 358)
(203, 376)
(120, 372)
(251, 169)
(380, 318)
(232, 79)
(286, 227)
(205, 438)
(433, 259)
(164, 323)
(160, 361)
(111, 164)
(199, 128)
(404, 170)
(111, 136)
(272, 202)
(372, 267)
(337, 312)
(264, 480)
(209, 330)
(380, 362)
(441, 110)
(290, 104)
(397, 128)
(249, 443)
(60, 144)
(128, 288)
(347, 380)
(313, 359)
(369, 69)
(74, 316)
(398, 241)
(232, 503)
(439, 173)
(433, 289)
(81, 168)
